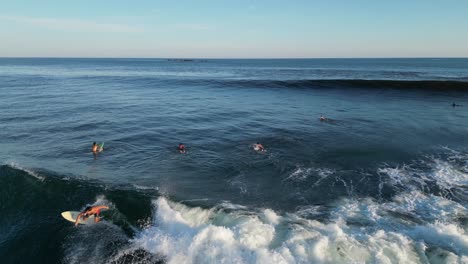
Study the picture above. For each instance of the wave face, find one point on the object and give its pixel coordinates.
(435, 85)
(382, 180)
(32, 230)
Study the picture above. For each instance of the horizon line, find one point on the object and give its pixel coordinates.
(224, 58)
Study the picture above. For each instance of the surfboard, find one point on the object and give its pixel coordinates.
(101, 147)
(72, 215)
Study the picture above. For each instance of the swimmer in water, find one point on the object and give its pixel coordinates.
(95, 149)
(181, 148)
(322, 118)
(259, 147)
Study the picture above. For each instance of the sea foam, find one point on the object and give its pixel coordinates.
(359, 231)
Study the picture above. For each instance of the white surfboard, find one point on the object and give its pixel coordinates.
(72, 215)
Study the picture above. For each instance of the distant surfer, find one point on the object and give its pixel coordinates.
(90, 211)
(97, 148)
(181, 148)
(258, 147)
(454, 105)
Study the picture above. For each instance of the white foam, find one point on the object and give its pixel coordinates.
(194, 235)
(302, 174)
(271, 217)
(141, 187)
(231, 206)
(444, 235)
(428, 207)
(447, 175)
(101, 200)
(323, 173)
(299, 174)
(309, 211)
(396, 175)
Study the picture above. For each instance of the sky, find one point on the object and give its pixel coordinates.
(234, 29)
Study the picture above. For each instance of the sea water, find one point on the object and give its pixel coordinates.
(383, 180)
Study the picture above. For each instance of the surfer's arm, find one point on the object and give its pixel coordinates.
(78, 218)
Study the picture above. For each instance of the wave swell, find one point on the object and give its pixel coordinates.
(438, 85)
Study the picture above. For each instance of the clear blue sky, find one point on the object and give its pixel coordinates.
(234, 29)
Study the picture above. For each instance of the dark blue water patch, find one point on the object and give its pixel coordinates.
(304, 83)
(32, 229)
(436, 85)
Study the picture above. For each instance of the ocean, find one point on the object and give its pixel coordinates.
(383, 180)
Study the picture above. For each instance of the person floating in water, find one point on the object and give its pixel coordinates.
(322, 118)
(97, 148)
(181, 148)
(258, 147)
(90, 211)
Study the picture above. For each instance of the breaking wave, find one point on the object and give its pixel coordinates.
(358, 231)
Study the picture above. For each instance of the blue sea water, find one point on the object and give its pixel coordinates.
(383, 180)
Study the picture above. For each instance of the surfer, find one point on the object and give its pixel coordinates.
(322, 118)
(95, 148)
(89, 211)
(259, 147)
(454, 104)
(181, 148)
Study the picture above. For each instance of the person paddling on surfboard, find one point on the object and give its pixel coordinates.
(89, 211)
(181, 148)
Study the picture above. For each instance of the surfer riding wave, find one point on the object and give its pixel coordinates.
(90, 211)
